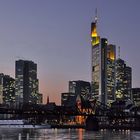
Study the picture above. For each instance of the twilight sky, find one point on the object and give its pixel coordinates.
(55, 34)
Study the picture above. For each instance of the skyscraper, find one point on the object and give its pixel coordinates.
(111, 73)
(123, 80)
(26, 82)
(81, 88)
(40, 98)
(68, 99)
(7, 90)
(128, 77)
(103, 67)
(95, 66)
(136, 96)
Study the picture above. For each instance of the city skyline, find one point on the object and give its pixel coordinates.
(56, 35)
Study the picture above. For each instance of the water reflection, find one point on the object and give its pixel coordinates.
(80, 134)
(69, 134)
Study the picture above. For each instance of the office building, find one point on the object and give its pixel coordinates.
(81, 88)
(7, 90)
(111, 58)
(103, 67)
(40, 98)
(95, 43)
(77, 89)
(136, 96)
(128, 77)
(123, 80)
(26, 82)
(68, 99)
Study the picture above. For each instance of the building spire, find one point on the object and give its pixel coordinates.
(96, 17)
(94, 26)
(119, 52)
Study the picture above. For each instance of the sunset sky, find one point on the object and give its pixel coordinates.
(55, 34)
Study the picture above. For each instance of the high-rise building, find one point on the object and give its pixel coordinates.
(68, 99)
(136, 96)
(95, 43)
(103, 67)
(7, 90)
(77, 89)
(123, 80)
(128, 77)
(81, 88)
(111, 73)
(40, 98)
(26, 82)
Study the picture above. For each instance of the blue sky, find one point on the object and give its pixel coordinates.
(55, 34)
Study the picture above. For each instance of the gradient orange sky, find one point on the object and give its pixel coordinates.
(55, 34)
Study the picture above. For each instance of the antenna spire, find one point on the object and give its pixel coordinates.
(96, 17)
(119, 52)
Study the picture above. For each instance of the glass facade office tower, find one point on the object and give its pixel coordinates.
(26, 82)
(103, 67)
(77, 89)
(123, 80)
(68, 99)
(40, 98)
(81, 88)
(95, 66)
(111, 73)
(136, 96)
(128, 77)
(7, 90)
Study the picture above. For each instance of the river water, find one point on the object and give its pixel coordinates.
(66, 134)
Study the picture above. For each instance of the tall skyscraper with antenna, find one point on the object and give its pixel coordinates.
(102, 66)
(95, 60)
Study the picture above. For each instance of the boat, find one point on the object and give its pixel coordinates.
(22, 124)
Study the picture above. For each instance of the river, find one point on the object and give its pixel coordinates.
(66, 134)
